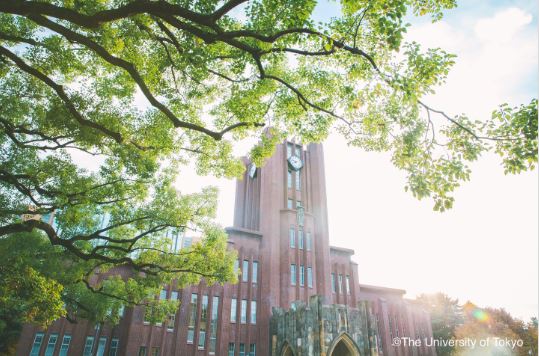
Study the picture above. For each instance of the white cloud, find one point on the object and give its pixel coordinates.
(502, 27)
(495, 57)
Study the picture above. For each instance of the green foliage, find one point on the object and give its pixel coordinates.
(515, 130)
(468, 321)
(446, 316)
(102, 104)
(491, 323)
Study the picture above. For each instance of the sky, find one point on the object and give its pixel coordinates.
(485, 248)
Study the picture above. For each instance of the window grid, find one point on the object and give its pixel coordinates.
(171, 321)
(213, 323)
(53, 338)
(38, 339)
(231, 349)
(292, 235)
(233, 310)
(301, 275)
(245, 271)
(253, 312)
(242, 349)
(243, 316)
(203, 321)
(66, 340)
(114, 347)
(101, 346)
(192, 319)
(289, 179)
(88, 346)
(254, 272)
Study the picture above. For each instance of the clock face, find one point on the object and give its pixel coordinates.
(252, 170)
(295, 162)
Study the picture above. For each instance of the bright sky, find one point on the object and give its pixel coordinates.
(485, 248)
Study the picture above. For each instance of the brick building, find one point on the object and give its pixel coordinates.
(296, 295)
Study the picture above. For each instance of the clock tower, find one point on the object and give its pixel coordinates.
(285, 202)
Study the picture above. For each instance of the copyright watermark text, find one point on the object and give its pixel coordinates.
(464, 343)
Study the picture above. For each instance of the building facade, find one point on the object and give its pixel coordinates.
(296, 294)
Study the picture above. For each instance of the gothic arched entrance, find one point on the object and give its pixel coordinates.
(287, 350)
(343, 346)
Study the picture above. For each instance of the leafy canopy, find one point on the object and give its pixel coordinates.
(141, 87)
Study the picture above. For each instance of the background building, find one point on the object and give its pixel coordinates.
(296, 295)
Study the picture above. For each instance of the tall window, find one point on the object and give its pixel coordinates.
(242, 349)
(174, 295)
(289, 150)
(301, 275)
(252, 350)
(213, 323)
(253, 312)
(65, 345)
(51, 344)
(88, 346)
(231, 348)
(187, 242)
(101, 346)
(192, 318)
(309, 277)
(293, 274)
(203, 321)
(340, 283)
(309, 241)
(300, 239)
(254, 276)
(171, 321)
(236, 266)
(292, 235)
(243, 315)
(298, 204)
(163, 294)
(298, 180)
(245, 271)
(38, 339)
(333, 288)
(142, 351)
(114, 343)
(121, 311)
(290, 204)
(201, 339)
(204, 309)
(155, 351)
(348, 285)
(233, 309)
(289, 179)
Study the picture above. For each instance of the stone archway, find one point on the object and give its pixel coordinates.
(287, 350)
(343, 346)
